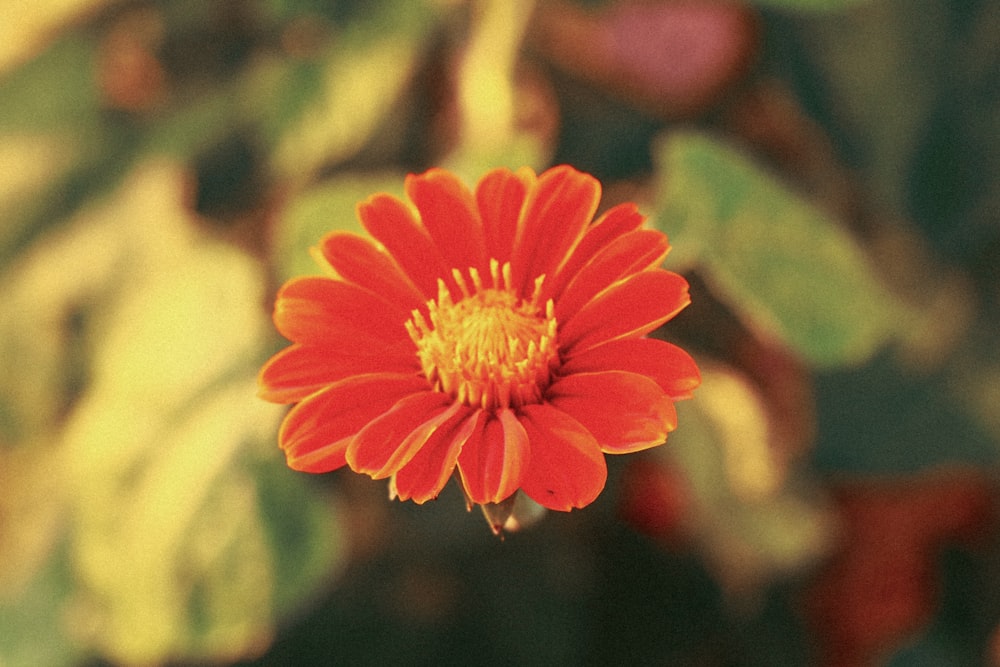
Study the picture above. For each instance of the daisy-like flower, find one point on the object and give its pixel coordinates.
(498, 332)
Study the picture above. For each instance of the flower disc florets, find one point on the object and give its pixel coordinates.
(489, 349)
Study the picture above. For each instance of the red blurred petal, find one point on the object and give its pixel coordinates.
(679, 54)
(882, 584)
(500, 195)
(657, 500)
(430, 468)
(493, 460)
(323, 311)
(670, 58)
(358, 260)
(633, 307)
(300, 370)
(668, 365)
(385, 445)
(625, 256)
(449, 214)
(616, 221)
(556, 215)
(392, 222)
(566, 468)
(625, 412)
(315, 433)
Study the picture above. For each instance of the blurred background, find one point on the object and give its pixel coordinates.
(828, 172)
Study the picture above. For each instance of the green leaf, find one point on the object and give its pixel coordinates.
(49, 92)
(320, 210)
(187, 536)
(323, 112)
(759, 518)
(30, 631)
(911, 119)
(519, 150)
(781, 263)
(810, 5)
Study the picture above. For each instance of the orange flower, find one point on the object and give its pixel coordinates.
(499, 332)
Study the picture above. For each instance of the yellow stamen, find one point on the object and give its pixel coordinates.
(490, 349)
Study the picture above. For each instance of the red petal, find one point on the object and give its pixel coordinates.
(556, 214)
(884, 579)
(625, 412)
(500, 197)
(671, 367)
(625, 256)
(316, 432)
(300, 370)
(616, 221)
(449, 214)
(566, 468)
(392, 222)
(633, 307)
(358, 260)
(430, 468)
(494, 458)
(387, 444)
(330, 312)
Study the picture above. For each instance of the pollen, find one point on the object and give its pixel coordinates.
(490, 348)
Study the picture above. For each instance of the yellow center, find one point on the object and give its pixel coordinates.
(491, 348)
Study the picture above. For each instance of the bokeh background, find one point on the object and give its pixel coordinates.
(828, 172)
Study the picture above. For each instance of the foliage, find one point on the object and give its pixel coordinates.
(826, 171)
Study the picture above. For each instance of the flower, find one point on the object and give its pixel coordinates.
(498, 332)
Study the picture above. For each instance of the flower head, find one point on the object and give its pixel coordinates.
(498, 332)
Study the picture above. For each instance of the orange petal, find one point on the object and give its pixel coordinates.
(566, 468)
(315, 433)
(633, 307)
(500, 196)
(301, 370)
(556, 215)
(358, 260)
(393, 224)
(323, 311)
(450, 215)
(625, 412)
(492, 461)
(430, 468)
(387, 444)
(625, 256)
(616, 221)
(668, 365)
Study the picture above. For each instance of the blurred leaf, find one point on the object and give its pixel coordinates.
(781, 263)
(48, 290)
(810, 5)
(304, 531)
(176, 536)
(329, 207)
(882, 90)
(32, 516)
(754, 520)
(30, 633)
(355, 84)
(49, 120)
(51, 92)
(519, 150)
(194, 125)
(29, 163)
(311, 107)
